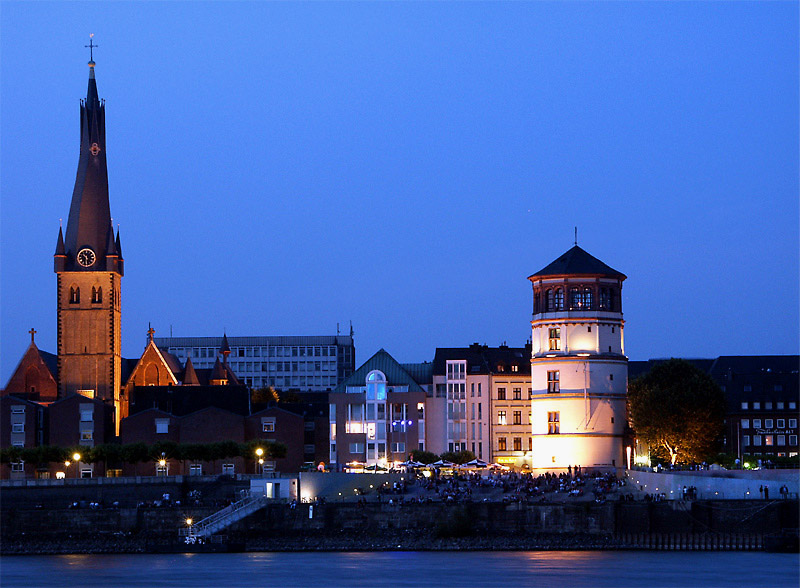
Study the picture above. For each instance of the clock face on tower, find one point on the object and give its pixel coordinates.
(86, 257)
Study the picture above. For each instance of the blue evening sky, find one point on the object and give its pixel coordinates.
(278, 168)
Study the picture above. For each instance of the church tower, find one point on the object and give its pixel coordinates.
(88, 263)
(579, 371)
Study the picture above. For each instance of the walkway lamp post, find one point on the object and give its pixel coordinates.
(260, 455)
(77, 458)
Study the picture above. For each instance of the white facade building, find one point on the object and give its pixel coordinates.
(579, 370)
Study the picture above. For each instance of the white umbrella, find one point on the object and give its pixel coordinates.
(442, 463)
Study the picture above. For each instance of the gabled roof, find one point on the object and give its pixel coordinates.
(395, 374)
(482, 359)
(578, 262)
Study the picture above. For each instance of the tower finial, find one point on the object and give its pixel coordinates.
(91, 47)
(576, 235)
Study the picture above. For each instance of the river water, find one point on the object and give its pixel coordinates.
(597, 569)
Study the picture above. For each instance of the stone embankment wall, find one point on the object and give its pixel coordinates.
(348, 526)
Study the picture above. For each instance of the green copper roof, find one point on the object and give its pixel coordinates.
(394, 372)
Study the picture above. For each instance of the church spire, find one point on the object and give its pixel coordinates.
(86, 242)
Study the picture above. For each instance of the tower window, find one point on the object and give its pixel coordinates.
(553, 382)
(74, 295)
(605, 299)
(554, 339)
(575, 299)
(588, 297)
(97, 295)
(553, 423)
(551, 305)
(560, 299)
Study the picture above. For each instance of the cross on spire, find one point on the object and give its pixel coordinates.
(91, 46)
(150, 332)
(32, 332)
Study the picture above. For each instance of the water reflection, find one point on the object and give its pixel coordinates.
(400, 569)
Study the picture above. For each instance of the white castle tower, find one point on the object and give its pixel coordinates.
(579, 371)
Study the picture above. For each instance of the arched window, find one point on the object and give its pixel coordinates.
(605, 299)
(536, 301)
(575, 299)
(97, 294)
(74, 295)
(560, 299)
(376, 386)
(588, 299)
(550, 302)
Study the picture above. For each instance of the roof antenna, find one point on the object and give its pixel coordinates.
(576, 235)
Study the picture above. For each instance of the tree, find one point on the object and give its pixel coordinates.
(678, 410)
(458, 457)
(424, 456)
(264, 395)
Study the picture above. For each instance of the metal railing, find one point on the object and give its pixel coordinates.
(236, 511)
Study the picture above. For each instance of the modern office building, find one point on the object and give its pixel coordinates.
(303, 364)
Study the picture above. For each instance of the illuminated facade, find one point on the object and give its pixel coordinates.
(578, 367)
(377, 415)
(88, 263)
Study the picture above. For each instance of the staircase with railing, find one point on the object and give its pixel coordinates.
(221, 519)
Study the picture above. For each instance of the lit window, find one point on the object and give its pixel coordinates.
(559, 299)
(501, 444)
(517, 417)
(501, 393)
(792, 406)
(553, 423)
(514, 368)
(553, 382)
(745, 406)
(162, 425)
(768, 440)
(517, 443)
(86, 435)
(555, 339)
(756, 405)
(517, 393)
(268, 426)
(501, 417)
(745, 423)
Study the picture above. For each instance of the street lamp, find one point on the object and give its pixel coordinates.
(77, 457)
(260, 453)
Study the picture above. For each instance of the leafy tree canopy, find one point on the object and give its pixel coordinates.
(678, 410)
(424, 456)
(458, 457)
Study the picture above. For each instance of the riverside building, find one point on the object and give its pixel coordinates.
(306, 364)
(579, 371)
